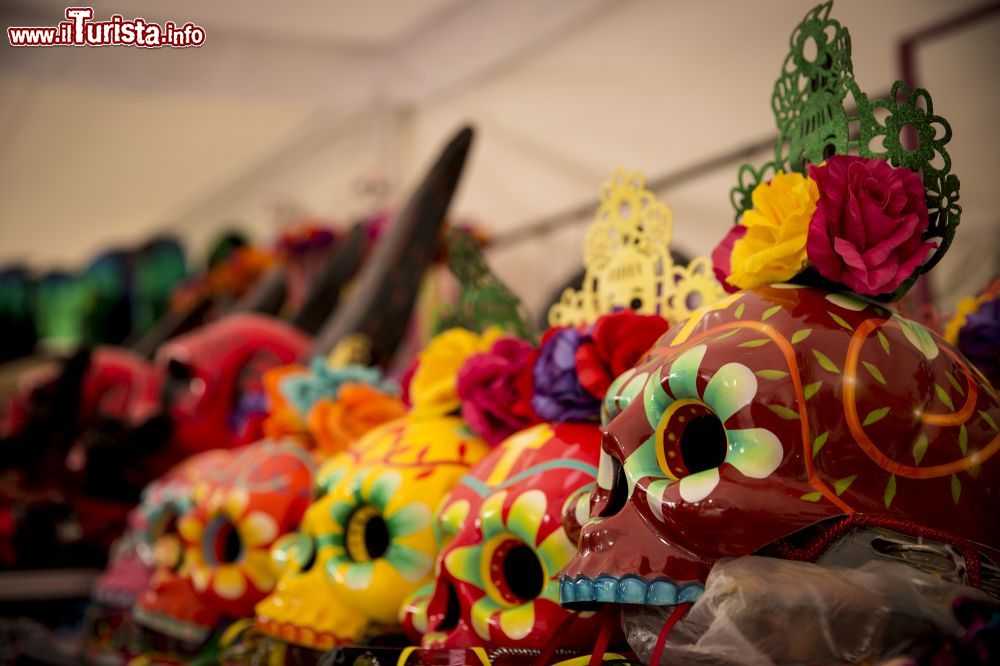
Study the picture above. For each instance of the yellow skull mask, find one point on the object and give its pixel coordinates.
(368, 541)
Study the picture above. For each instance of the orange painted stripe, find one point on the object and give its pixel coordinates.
(857, 430)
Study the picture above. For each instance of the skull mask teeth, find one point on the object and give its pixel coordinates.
(770, 412)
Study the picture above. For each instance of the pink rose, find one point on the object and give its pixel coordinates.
(496, 388)
(722, 256)
(867, 230)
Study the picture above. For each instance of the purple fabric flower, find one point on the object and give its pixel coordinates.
(979, 339)
(558, 395)
(495, 389)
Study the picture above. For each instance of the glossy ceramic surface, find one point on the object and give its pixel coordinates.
(768, 412)
(505, 544)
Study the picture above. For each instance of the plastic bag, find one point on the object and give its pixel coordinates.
(763, 611)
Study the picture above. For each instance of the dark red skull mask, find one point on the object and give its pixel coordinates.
(776, 410)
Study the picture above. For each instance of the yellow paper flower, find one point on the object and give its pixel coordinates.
(774, 247)
(432, 389)
(963, 309)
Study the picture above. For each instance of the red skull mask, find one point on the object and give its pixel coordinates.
(774, 412)
(168, 603)
(505, 544)
(223, 563)
(209, 372)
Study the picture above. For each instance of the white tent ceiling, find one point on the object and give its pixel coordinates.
(295, 103)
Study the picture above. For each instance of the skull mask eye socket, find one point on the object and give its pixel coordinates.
(222, 543)
(690, 438)
(367, 535)
(512, 574)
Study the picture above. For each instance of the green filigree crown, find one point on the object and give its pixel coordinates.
(483, 300)
(820, 111)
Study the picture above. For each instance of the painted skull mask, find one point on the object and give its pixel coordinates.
(168, 603)
(505, 544)
(238, 513)
(368, 540)
(214, 372)
(771, 413)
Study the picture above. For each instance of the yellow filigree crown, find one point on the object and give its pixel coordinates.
(628, 262)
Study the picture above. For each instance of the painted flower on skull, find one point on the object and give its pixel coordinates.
(475, 564)
(683, 412)
(231, 547)
(352, 562)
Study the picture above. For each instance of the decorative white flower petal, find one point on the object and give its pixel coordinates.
(730, 390)
(683, 377)
(755, 452)
(698, 486)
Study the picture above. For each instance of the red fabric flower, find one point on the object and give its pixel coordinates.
(867, 230)
(722, 254)
(495, 388)
(615, 343)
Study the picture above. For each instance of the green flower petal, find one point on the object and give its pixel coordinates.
(453, 517)
(518, 622)
(480, 613)
(358, 576)
(491, 515)
(409, 519)
(412, 564)
(526, 515)
(340, 511)
(357, 486)
(463, 564)
(655, 399)
(731, 389)
(632, 388)
(755, 452)
(698, 486)
(555, 552)
(684, 373)
(384, 488)
(614, 404)
(642, 463)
